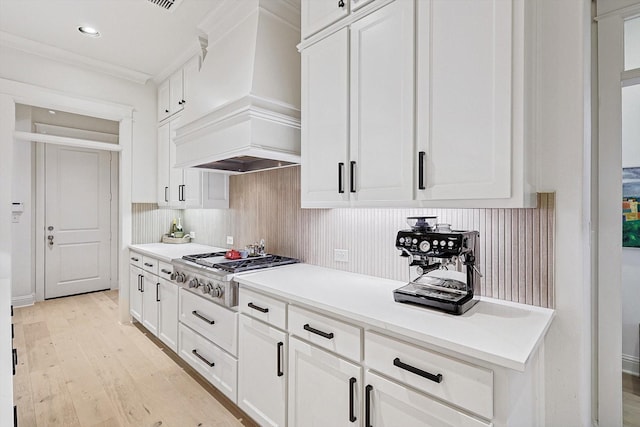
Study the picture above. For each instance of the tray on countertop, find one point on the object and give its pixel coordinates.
(167, 239)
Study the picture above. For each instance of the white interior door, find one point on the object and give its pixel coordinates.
(77, 220)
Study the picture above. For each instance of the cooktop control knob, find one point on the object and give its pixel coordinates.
(179, 277)
(424, 246)
(193, 283)
(217, 291)
(206, 288)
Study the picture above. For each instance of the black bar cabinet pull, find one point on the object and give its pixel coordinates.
(317, 332)
(199, 356)
(165, 271)
(166, 198)
(435, 378)
(200, 316)
(148, 264)
(280, 346)
(367, 405)
(135, 259)
(421, 155)
(158, 292)
(352, 415)
(260, 309)
(15, 416)
(15, 359)
(340, 177)
(352, 182)
(140, 282)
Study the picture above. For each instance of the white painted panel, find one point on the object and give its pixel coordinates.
(632, 43)
(71, 269)
(79, 189)
(631, 126)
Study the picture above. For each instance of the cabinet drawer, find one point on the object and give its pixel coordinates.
(325, 332)
(135, 259)
(150, 265)
(388, 400)
(462, 384)
(216, 323)
(217, 366)
(165, 270)
(262, 307)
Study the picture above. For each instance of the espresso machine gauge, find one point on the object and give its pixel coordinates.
(444, 261)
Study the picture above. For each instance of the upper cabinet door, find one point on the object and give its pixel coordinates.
(176, 92)
(382, 98)
(164, 102)
(164, 139)
(325, 122)
(189, 72)
(464, 105)
(318, 14)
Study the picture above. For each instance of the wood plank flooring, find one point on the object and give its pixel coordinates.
(631, 400)
(79, 367)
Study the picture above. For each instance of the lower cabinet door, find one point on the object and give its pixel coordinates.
(390, 404)
(262, 373)
(135, 293)
(212, 362)
(324, 389)
(150, 292)
(168, 315)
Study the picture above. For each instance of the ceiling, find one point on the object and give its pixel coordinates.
(139, 40)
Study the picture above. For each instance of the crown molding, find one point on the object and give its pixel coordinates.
(194, 49)
(51, 52)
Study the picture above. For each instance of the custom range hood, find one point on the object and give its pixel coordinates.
(243, 109)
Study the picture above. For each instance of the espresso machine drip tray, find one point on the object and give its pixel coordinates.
(448, 295)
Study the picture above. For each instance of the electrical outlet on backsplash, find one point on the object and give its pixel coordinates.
(514, 243)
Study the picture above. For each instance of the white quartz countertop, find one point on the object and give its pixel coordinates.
(167, 251)
(499, 332)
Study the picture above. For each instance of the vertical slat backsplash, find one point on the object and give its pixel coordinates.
(517, 245)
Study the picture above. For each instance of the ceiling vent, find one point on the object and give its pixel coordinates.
(170, 5)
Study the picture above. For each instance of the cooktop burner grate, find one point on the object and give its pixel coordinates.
(196, 257)
(256, 263)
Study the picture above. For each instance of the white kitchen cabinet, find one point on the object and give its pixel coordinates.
(186, 188)
(390, 404)
(317, 14)
(324, 389)
(136, 276)
(464, 99)
(173, 93)
(357, 115)
(150, 293)
(262, 372)
(325, 121)
(440, 106)
(164, 101)
(168, 313)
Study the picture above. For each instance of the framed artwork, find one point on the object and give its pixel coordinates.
(631, 207)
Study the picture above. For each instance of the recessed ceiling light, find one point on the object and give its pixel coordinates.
(51, 112)
(89, 31)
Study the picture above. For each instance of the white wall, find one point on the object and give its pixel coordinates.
(563, 133)
(23, 67)
(22, 288)
(630, 256)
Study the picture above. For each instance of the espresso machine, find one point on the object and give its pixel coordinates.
(443, 262)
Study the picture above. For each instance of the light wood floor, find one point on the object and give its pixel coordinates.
(631, 400)
(79, 367)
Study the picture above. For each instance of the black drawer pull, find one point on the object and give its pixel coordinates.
(352, 414)
(199, 356)
(279, 367)
(135, 259)
(317, 332)
(367, 405)
(200, 316)
(148, 265)
(435, 378)
(165, 271)
(260, 309)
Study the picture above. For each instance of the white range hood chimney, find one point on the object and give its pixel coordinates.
(243, 112)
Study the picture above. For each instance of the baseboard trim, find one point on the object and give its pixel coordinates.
(630, 365)
(23, 301)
